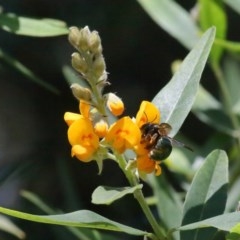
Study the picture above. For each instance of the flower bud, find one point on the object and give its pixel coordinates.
(79, 63)
(95, 43)
(99, 65)
(101, 128)
(73, 36)
(80, 92)
(84, 39)
(115, 104)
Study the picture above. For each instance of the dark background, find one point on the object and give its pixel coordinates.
(34, 152)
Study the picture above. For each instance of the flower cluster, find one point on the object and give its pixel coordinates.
(90, 134)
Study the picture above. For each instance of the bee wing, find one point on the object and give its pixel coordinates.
(176, 143)
(164, 129)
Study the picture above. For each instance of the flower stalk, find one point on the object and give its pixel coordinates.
(138, 194)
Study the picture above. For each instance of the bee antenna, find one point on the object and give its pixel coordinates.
(147, 118)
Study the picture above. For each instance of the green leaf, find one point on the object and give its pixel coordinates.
(168, 203)
(32, 27)
(207, 194)
(27, 72)
(7, 226)
(177, 97)
(107, 195)
(80, 233)
(82, 218)
(213, 14)
(173, 19)
(223, 222)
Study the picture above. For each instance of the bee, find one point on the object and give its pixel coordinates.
(156, 140)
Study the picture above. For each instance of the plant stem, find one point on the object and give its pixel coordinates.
(140, 198)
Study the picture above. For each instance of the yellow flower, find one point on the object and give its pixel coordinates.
(123, 134)
(83, 139)
(148, 112)
(81, 134)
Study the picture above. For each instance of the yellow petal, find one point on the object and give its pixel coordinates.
(123, 134)
(145, 164)
(84, 108)
(70, 117)
(81, 132)
(84, 154)
(147, 112)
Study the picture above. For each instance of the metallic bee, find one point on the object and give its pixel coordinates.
(156, 140)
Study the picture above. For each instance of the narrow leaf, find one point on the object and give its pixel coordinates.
(32, 27)
(80, 233)
(107, 195)
(174, 19)
(82, 218)
(207, 194)
(177, 97)
(223, 222)
(7, 226)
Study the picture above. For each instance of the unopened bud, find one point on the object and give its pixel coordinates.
(95, 43)
(99, 65)
(73, 36)
(79, 63)
(101, 128)
(84, 39)
(115, 104)
(80, 92)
